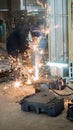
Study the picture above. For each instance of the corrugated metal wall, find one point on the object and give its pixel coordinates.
(3, 4)
(59, 30)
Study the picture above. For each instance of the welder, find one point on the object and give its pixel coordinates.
(17, 42)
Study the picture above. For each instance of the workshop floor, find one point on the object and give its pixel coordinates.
(12, 118)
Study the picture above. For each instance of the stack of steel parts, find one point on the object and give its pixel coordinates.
(43, 102)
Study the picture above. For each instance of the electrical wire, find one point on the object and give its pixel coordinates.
(69, 87)
(54, 91)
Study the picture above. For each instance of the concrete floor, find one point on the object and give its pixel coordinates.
(13, 118)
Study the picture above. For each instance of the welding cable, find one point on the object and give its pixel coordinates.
(61, 94)
(69, 87)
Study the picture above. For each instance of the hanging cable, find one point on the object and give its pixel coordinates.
(69, 87)
(61, 94)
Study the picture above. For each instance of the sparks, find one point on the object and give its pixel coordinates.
(17, 84)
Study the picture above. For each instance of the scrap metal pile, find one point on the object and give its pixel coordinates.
(5, 70)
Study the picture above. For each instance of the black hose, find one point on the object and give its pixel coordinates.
(61, 94)
(69, 87)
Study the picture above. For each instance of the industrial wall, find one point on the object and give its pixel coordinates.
(61, 27)
(71, 45)
(59, 31)
(15, 4)
(3, 4)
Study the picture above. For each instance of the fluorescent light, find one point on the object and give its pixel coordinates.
(52, 64)
(3, 10)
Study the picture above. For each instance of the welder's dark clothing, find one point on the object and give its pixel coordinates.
(17, 42)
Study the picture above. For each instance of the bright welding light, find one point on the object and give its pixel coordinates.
(52, 64)
(17, 84)
(28, 81)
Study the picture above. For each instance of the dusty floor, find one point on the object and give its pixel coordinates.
(12, 118)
